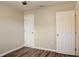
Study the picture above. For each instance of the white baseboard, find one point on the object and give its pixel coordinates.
(25, 46)
(44, 49)
(11, 50)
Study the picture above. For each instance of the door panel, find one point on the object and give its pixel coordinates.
(65, 30)
(29, 30)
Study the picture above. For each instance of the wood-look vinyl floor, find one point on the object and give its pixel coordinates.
(31, 52)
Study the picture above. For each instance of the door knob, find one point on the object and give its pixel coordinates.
(32, 32)
(57, 35)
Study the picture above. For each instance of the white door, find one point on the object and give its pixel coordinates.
(29, 30)
(65, 32)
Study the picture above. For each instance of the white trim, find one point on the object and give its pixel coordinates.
(45, 49)
(11, 50)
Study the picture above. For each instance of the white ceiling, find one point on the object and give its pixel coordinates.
(30, 4)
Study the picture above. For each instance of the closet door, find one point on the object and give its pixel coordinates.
(65, 32)
(29, 30)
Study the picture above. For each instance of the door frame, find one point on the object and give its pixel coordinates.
(26, 43)
(75, 30)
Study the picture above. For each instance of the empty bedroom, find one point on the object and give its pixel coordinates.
(39, 28)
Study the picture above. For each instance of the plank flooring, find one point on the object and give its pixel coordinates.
(31, 52)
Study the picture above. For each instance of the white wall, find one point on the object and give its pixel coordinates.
(45, 29)
(45, 24)
(11, 29)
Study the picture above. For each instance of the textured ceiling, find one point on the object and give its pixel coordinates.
(30, 4)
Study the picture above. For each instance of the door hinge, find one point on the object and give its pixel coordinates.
(75, 32)
(75, 15)
(75, 49)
